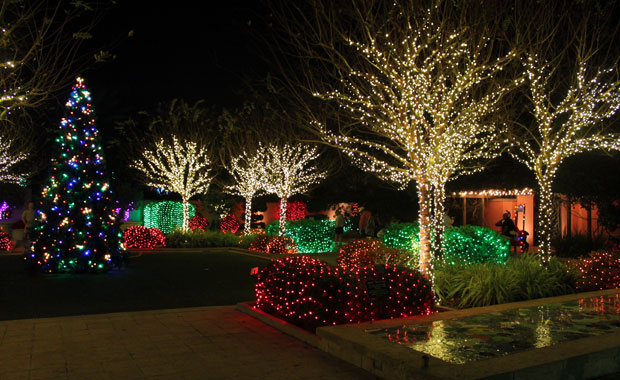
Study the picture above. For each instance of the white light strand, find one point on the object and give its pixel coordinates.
(564, 128)
(8, 160)
(181, 167)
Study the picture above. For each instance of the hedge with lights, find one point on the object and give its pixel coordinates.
(474, 244)
(600, 270)
(143, 237)
(309, 293)
(358, 254)
(229, 224)
(198, 222)
(166, 216)
(403, 236)
(6, 244)
(277, 245)
(311, 236)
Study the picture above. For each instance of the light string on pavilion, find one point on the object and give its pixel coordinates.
(428, 99)
(561, 129)
(494, 193)
(178, 166)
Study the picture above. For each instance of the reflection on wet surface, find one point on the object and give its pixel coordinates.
(467, 339)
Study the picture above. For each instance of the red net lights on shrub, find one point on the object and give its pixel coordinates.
(601, 270)
(294, 211)
(6, 244)
(229, 224)
(143, 237)
(309, 293)
(198, 222)
(362, 253)
(277, 245)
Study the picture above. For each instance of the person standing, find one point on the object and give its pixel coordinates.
(338, 227)
(28, 219)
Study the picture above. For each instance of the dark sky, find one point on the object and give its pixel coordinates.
(177, 51)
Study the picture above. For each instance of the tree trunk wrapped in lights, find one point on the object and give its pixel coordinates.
(564, 126)
(177, 166)
(248, 172)
(288, 171)
(423, 98)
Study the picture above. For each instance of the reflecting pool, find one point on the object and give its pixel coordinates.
(465, 339)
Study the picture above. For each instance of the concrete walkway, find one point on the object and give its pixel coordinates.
(194, 343)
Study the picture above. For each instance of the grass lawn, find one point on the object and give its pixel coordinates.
(154, 280)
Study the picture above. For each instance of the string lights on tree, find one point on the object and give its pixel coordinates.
(178, 166)
(247, 170)
(77, 228)
(423, 97)
(9, 158)
(565, 124)
(288, 171)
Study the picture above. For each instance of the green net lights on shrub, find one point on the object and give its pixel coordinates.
(474, 244)
(166, 216)
(403, 236)
(311, 236)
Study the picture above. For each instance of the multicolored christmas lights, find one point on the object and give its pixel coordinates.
(76, 228)
(166, 216)
(178, 166)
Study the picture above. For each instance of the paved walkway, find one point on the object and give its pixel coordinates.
(194, 343)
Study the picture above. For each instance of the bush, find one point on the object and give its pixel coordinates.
(311, 236)
(143, 237)
(483, 284)
(6, 244)
(600, 270)
(166, 216)
(462, 245)
(198, 222)
(309, 293)
(277, 245)
(205, 239)
(363, 253)
(230, 224)
(474, 244)
(577, 245)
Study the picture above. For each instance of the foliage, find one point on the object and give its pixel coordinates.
(309, 293)
(277, 245)
(143, 237)
(166, 216)
(600, 270)
(577, 245)
(474, 244)
(198, 222)
(229, 224)
(311, 236)
(364, 253)
(483, 284)
(461, 245)
(206, 239)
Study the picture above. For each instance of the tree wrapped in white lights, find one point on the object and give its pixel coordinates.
(288, 171)
(181, 167)
(423, 95)
(9, 158)
(564, 126)
(248, 172)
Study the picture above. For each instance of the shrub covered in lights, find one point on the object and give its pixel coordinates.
(76, 228)
(6, 244)
(198, 222)
(230, 224)
(206, 239)
(474, 244)
(311, 236)
(600, 270)
(403, 236)
(364, 253)
(143, 237)
(166, 216)
(277, 245)
(309, 293)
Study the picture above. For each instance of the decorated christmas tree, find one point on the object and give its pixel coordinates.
(76, 227)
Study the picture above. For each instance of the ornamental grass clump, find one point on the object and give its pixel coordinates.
(363, 253)
(483, 284)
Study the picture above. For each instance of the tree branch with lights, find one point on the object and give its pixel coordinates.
(178, 166)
